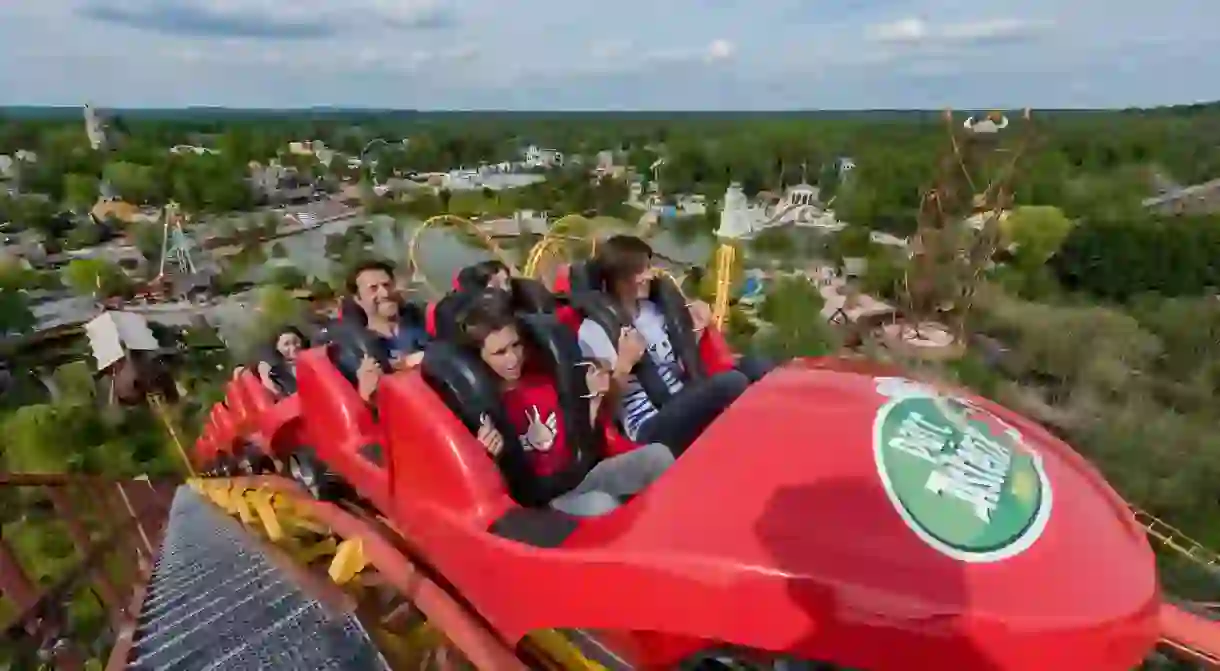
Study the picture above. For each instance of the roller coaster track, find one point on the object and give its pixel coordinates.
(252, 573)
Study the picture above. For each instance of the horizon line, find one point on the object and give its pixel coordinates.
(490, 110)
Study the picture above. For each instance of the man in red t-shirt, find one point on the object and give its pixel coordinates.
(531, 404)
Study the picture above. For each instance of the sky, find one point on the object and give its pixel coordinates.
(599, 55)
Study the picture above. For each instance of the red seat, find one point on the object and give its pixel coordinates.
(430, 319)
(341, 427)
(225, 428)
(271, 424)
(569, 317)
(236, 402)
(436, 459)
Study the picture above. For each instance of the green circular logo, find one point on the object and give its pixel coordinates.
(961, 478)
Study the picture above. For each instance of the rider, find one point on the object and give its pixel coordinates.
(395, 333)
(625, 264)
(277, 371)
(531, 404)
(490, 274)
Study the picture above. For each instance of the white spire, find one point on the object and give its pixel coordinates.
(734, 216)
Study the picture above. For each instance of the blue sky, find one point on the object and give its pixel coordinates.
(628, 54)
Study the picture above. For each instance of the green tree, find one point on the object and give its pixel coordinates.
(793, 308)
(16, 317)
(133, 182)
(287, 277)
(1037, 231)
(80, 191)
(95, 277)
(275, 307)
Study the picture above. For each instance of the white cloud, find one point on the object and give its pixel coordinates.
(720, 50)
(918, 31)
(585, 54)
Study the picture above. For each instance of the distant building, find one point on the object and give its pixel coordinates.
(10, 166)
(182, 149)
(1191, 200)
(539, 157)
(95, 128)
(276, 183)
(800, 206)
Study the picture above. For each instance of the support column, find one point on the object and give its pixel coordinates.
(14, 583)
(80, 536)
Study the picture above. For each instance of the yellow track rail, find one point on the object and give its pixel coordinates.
(556, 234)
(488, 242)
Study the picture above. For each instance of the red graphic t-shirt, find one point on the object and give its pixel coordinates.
(532, 407)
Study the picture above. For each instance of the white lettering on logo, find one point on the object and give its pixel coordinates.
(970, 467)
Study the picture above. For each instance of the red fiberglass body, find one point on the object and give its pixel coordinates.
(833, 513)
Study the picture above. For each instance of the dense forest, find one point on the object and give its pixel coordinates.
(1107, 312)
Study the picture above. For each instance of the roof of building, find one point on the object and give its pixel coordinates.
(116, 209)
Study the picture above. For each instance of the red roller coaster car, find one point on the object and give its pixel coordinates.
(836, 512)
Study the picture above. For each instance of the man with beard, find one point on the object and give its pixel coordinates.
(398, 334)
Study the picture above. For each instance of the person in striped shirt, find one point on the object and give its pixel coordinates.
(625, 263)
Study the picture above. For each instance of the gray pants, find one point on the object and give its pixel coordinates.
(621, 475)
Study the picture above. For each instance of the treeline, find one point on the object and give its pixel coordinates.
(1118, 260)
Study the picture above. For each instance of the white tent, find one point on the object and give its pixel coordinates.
(113, 334)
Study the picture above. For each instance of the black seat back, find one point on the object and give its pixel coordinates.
(348, 342)
(447, 314)
(465, 385)
(350, 311)
(530, 295)
(470, 389)
(668, 298)
(589, 297)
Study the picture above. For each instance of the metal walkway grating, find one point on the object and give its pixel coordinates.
(215, 603)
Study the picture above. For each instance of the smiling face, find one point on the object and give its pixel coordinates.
(375, 292)
(503, 353)
(288, 345)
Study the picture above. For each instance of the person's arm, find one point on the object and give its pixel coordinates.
(524, 486)
(596, 344)
(264, 375)
(701, 317)
(597, 379)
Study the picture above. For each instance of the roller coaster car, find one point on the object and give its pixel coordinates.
(835, 513)
(873, 523)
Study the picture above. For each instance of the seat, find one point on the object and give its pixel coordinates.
(273, 427)
(531, 296)
(588, 298)
(527, 296)
(224, 427)
(470, 390)
(446, 314)
(467, 389)
(341, 427)
(235, 399)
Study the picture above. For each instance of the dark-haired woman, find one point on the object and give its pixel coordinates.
(278, 374)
